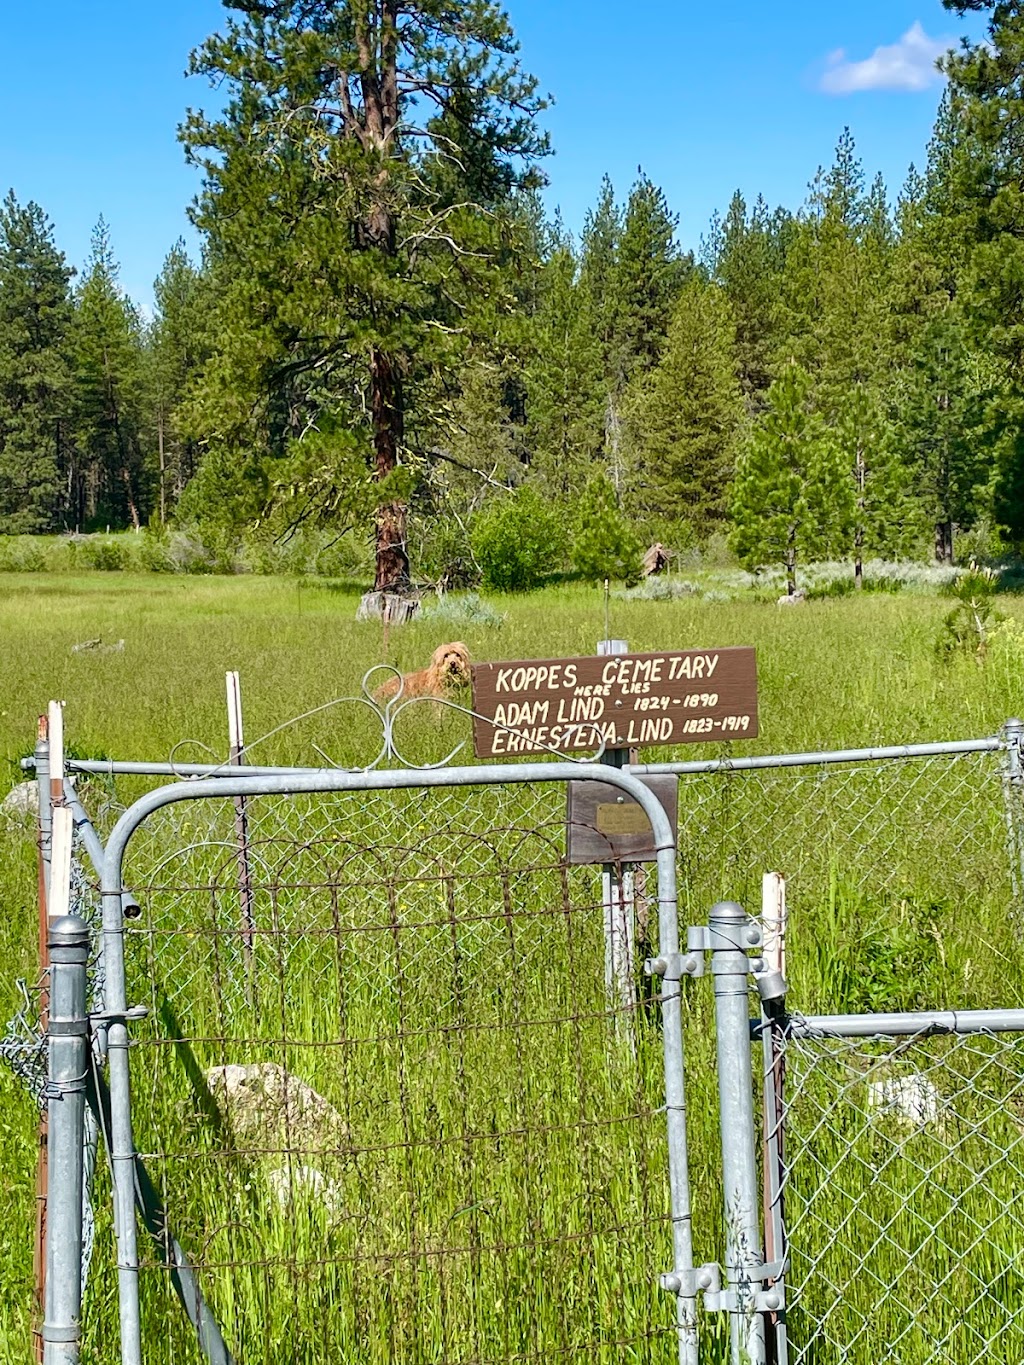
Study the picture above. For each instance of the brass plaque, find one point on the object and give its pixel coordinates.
(605, 825)
(623, 701)
(624, 819)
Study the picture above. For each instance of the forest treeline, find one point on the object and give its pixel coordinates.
(386, 334)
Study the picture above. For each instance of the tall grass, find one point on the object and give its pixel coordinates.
(537, 1224)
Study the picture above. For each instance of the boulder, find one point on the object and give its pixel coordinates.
(266, 1108)
(793, 599)
(21, 801)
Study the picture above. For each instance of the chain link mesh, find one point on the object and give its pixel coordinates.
(389, 1107)
(905, 1176)
(865, 823)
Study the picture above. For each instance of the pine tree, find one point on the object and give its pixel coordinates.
(360, 201)
(983, 185)
(35, 314)
(113, 477)
(835, 291)
(684, 419)
(565, 392)
(944, 404)
(177, 345)
(604, 544)
(884, 517)
(748, 262)
(650, 270)
(599, 248)
(792, 497)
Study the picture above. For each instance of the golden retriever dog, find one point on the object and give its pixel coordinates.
(447, 671)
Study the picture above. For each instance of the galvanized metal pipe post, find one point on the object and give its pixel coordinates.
(731, 935)
(68, 1034)
(1013, 796)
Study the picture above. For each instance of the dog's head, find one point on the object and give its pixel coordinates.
(451, 663)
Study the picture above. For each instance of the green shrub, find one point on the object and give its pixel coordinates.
(520, 541)
(463, 609)
(22, 554)
(967, 628)
(155, 552)
(110, 556)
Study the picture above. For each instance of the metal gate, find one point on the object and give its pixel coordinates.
(370, 1091)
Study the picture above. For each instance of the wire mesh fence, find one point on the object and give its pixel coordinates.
(865, 823)
(903, 1199)
(388, 1105)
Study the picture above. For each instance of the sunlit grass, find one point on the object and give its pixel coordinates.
(929, 926)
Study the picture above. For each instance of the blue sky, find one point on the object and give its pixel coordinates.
(706, 98)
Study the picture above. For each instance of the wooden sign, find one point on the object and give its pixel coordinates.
(624, 701)
(606, 825)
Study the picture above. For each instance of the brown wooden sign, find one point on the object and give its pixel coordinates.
(606, 825)
(624, 701)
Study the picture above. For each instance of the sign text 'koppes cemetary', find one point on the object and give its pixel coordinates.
(621, 701)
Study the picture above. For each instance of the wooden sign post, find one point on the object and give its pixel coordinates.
(614, 702)
(618, 894)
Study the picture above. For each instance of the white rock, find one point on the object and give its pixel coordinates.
(266, 1107)
(21, 800)
(792, 599)
(304, 1187)
(909, 1100)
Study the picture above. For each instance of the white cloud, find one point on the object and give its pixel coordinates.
(906, 65)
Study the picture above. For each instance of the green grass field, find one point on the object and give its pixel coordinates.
(900, 900)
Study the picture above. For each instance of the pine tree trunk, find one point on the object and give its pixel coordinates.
(133, 510)
(163, 471)
(861, 475)
(791, 564)
(392, 572)
(944, 542)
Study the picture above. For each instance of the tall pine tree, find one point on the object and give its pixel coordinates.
(178, 344)
(359, 197)
(684, 418)
(35, 315)
(792, 497)
(113, 478)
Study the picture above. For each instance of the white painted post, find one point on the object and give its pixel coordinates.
(618, 898)
(236, 752)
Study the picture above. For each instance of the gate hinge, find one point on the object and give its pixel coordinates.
(707, 1281)
(674, 966)
(124, 1016)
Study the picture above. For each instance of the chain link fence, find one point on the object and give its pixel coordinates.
(390, 1111)
(903, 1198)
(864, 824)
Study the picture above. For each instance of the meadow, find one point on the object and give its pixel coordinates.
(910, 912)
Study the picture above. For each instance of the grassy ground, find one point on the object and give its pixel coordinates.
(832, 673)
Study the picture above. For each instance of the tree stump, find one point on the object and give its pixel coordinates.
(395, 608)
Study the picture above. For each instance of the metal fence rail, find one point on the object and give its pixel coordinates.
(903, 1193)
(854, 820)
